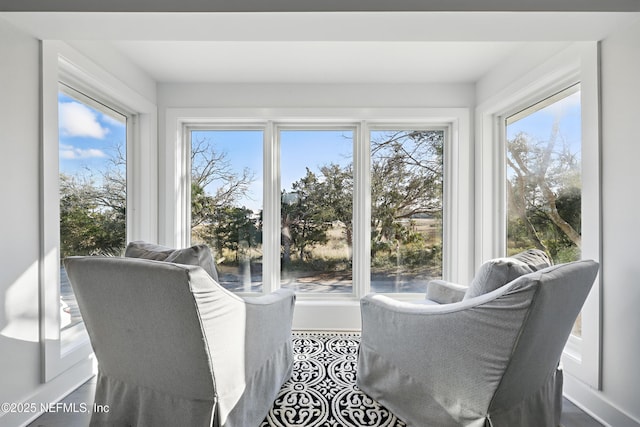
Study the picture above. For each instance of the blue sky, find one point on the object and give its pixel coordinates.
(242, 149)
(299, 149)
(87, 137)
(539, 124)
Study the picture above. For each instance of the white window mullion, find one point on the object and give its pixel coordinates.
(271, 212)
(184, 191)
(362, 211)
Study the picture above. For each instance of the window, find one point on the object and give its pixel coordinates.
(93, 187)
(316, 222)
(316, 175)
(544, 184)
(538, 180)
(91, 202)
(226, 202)
(406, 209)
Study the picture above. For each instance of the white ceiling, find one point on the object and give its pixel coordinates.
(316, 61)
(327, 47)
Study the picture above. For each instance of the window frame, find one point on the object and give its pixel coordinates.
(310, 125)
(450, 232)
(75, 89)
(578, 64)
(219, 126)
(61, 64)
(316, 310)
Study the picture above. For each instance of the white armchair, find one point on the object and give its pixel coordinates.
(174, 348)
(488, 360)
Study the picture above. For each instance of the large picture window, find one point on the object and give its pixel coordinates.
(93, 187)
(316, 175)
(333, 203)
(341, 202)
(357, 207)
(544, 182)
(538, 178)
(544, 179)
(98, 186)
(406, 209)
(226, 202)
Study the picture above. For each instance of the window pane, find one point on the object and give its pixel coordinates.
(92, 165)
(544, 186)
(317, 210)
(406, 210)
(226, 203)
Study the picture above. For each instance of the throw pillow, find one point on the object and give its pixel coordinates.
(494, 274)
(534, 258)
(195, 255)
(144, 250)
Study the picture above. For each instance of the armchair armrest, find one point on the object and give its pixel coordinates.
(444, 292)
(249, 341)
(268, 325)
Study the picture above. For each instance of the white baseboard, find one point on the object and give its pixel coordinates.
(594, 403)
(327, 315)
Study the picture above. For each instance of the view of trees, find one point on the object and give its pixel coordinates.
(216, 219)
(93, 210)
(316, 204)
(317, 209)
(544, 194)
(406, 196)
(406, 212)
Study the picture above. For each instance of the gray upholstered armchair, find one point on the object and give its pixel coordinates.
(486, 360)
(174, 348)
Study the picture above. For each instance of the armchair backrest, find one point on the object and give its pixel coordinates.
(145, 311)
(559, 296)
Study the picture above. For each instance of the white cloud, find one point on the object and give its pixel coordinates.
(79, 120)
(71, 152)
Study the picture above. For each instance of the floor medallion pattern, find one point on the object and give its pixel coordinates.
(322, 390)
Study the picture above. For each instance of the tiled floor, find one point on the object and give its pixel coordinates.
(572, 416)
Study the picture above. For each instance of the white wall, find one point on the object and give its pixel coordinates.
(314, 95)
(119, 66)
(519, 64)
(620, 74)
(20, 361)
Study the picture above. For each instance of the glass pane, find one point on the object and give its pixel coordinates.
(317, 210)
(406, 209)
(226, 203)
(93, 187)
(544, 186)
